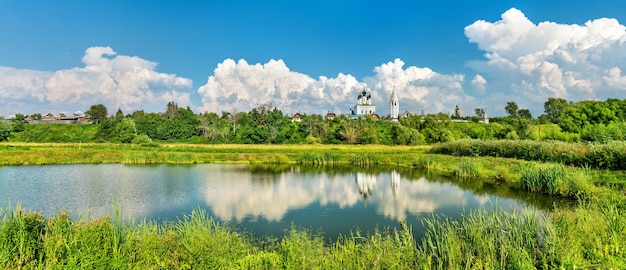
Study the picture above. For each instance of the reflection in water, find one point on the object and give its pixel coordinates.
(262, 200)
(366, 183)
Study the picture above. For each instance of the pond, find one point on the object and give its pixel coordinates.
(260, 199)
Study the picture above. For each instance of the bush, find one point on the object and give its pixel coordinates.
(142, 139)
(611, 155)
(5, 129)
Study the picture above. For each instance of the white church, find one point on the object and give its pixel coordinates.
(365, 107)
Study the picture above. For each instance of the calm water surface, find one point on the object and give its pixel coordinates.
(260, 199)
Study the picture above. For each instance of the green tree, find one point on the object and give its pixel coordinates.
(479, 112)
(119, 114)
(184, 125)
(148, 124)
(5, 129)
(126, 130)
(553, 108)
(96, 113)
(524, 113)
(511, 108)
(457, 113)
(172, 110)
(209, 125)
(17, 124)
(36, 116)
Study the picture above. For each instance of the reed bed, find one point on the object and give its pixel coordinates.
(467, 168)
(588, 236)
(610, 155)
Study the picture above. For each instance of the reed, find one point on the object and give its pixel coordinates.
(427, 163)
(467, 168)
(541, 178)
(591, 235)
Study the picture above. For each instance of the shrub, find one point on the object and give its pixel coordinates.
(142, 139)
(5, 129)
(611, 155)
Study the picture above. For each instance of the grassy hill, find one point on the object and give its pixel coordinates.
(55, 133)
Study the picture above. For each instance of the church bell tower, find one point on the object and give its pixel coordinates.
(393, 106)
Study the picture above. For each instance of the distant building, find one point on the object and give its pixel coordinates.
(296, 117)
(330, 116)
(363, 106)
(394, 106)
(77, 117)
(485, 119)
(405, 114)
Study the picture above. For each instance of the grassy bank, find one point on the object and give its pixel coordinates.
(72, 153)
(610, 155)
(590, 237)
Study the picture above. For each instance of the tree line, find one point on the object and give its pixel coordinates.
(587, 120)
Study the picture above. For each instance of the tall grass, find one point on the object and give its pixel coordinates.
(488, 240)
(541, 179)
(467, 168)
(588, 236)
(554, 179)
(611, 155)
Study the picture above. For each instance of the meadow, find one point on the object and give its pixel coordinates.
(592, 234)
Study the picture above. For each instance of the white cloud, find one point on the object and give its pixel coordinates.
(242, 86)
(418, 88)
(532, 62)
(241, 197)
(127, 82)
(22, 85)
(478, 82)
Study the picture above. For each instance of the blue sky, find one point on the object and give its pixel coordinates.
(309, 56)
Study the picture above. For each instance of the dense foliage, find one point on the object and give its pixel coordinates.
(5, 129)
(590, 121)
(611, 155)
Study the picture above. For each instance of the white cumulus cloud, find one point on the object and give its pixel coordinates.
(240, 86)
(418, 88)
(531, 62)
(479, 82)
(127, 82)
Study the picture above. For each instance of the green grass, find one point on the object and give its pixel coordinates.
(62, 133)
(610, 155)
(467, 168)
(588, 236)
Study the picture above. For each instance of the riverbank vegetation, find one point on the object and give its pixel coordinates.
(590, 236)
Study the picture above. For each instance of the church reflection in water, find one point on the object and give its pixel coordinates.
(365, 182)
(239, 194)
(245, 196)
